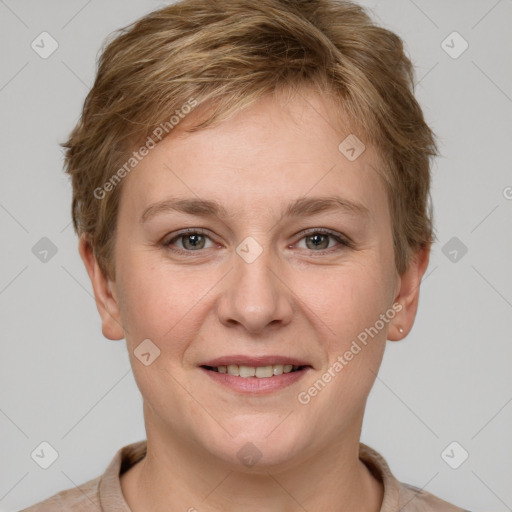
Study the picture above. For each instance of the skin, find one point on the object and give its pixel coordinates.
(291, 301)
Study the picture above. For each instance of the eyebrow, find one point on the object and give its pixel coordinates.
(302, 207)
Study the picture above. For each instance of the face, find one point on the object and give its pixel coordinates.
(255, 244)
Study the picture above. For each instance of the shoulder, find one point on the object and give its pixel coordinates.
(83, 498)
(414, 499)
(400, 496)
(101, 493)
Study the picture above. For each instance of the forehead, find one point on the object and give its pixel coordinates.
(260, 158)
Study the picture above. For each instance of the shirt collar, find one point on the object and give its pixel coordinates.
(112, 499)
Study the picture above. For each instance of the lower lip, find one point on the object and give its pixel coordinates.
(255, 384)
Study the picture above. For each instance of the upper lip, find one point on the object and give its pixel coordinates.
(254, 361)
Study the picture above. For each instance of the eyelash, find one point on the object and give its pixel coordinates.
(343, 242)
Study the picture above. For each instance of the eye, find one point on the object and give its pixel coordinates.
(319, 240)
(316, 240)
(191, 240)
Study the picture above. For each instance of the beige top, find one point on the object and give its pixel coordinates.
(104, 492)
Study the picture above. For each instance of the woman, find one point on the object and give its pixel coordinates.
(251, 192)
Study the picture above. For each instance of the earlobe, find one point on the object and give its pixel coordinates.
(106, 301)
(408, 294)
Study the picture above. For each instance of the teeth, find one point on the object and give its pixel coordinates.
(258, 371)
(264, 371)
(233, 369)
(247, 371)
(278, 369)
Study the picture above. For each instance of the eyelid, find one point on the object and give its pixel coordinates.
(185, 231)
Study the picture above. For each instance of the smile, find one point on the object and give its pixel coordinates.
(256, 380)
(259, 372)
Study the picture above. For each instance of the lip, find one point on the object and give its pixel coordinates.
(255, 385)
(254, 361)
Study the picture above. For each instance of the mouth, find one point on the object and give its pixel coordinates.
(256, 375)
(257, 372)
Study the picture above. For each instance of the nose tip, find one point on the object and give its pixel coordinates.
(254, 297)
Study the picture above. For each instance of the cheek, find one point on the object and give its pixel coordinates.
(345, 300)
(350, 305)
(162, 304)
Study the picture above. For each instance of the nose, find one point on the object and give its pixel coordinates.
(255, 295)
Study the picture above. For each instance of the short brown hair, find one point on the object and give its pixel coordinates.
(229, 54)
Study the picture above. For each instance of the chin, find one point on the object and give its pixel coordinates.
(258, 444)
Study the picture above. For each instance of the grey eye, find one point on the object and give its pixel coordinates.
(193, 241)
(318, 241)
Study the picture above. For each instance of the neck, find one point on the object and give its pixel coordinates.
(175, 471)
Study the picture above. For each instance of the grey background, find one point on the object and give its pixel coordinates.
(449, 380)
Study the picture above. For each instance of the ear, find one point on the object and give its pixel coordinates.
(408, 294)
(104, 292)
